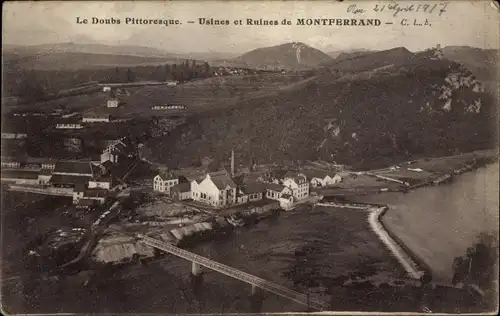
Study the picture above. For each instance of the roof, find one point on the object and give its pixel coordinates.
(274, 186)
(96, 193)
(253, 187)
(108, 164)
(167, 175)
(222, 180)
(68, 166)
(317, 174)
(295, 176)
(286, 196)
(65, 179)
(19, 174)
(181, 187)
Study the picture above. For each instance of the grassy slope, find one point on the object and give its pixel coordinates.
(292, 125)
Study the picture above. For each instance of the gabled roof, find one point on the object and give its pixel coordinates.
(69, 166)
(181, 187)
(167, 175)
(222, 180)
(253, 187)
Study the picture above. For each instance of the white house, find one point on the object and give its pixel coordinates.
(101, 183)
(106, 89)
(275, 191)
(171, 83)
(113, 103)
(69, 124)
(216, 189)
(298, 183)
(164, 182)
(44, 177)
(286, 201)
(322, 179)
(95, 118)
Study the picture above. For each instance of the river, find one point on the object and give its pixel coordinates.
(437, 222)
(440, 223)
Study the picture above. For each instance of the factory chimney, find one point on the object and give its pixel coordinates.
(232, 163)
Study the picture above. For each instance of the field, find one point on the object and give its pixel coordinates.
(199, 95)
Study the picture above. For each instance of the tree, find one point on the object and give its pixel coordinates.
(477, 266)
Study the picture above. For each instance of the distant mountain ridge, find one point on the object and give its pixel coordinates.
(294, 55)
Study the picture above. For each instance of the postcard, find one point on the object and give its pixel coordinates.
(237, 157)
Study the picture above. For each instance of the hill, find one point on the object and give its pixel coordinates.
(371, 60)
(422, 108)
(482, 62)
(286, 56)
(90, 48)
(78, 60)
(342, 54)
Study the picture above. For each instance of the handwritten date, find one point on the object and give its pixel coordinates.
(396, 8)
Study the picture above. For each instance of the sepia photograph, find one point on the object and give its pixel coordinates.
(250, 157)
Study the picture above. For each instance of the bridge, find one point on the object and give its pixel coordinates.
(256, 282)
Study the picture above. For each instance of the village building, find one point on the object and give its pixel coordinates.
(10, 162)
(69, 174)
(20, 177)
(168, 107)
(96, 118)
(14, 129)
(163, 182)
(98, 195)
(106, 89)
(44, 177)
(286, 201)
(39, 163)
(216, 189)
(322, 179)
(115, 149)
(181, 191)
(298, 183)
(171, 83)
(102, 182)
(275, 191)
(78, 191)
(69, 123)
(251, 192)
(113, 103)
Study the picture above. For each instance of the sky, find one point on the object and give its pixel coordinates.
(471, 23)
